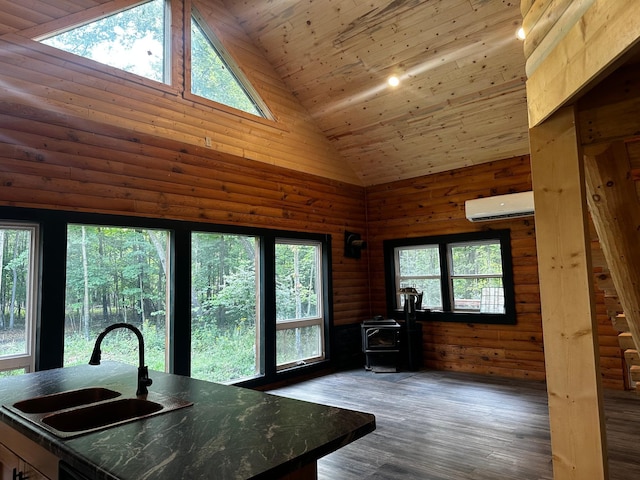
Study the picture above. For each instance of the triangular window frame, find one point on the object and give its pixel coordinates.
(165, 41)
(170, 79)
(260, 108)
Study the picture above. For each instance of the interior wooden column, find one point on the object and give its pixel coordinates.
(578, 436)
(613, 201)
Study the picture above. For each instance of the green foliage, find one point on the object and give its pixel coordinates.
(212, 78)
(132, 40)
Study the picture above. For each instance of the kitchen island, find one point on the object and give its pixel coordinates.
(228, 433)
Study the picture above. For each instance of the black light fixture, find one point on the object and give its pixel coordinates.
(353, 244)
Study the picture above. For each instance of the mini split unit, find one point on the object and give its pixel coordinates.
(500, 207)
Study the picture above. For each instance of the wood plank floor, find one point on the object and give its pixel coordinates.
(434, 425)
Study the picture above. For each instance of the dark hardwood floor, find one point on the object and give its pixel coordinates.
(434, 425)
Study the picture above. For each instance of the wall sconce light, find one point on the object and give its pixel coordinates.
(353, 245)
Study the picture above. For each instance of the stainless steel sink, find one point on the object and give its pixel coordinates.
(101, 415)
(70, 399)
(77, 412)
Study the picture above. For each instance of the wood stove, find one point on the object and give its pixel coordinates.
(381, 344)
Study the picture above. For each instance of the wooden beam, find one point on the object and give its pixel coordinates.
(610, 111)
(578, 437)
(615, 211)
(590, 49)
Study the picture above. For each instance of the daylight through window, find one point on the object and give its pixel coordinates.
(18, 290)
(464, 277)
(114, 275)
(299, 312)
(212, 77)
(132, 40)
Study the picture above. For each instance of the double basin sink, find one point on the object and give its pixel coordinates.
(76, 412)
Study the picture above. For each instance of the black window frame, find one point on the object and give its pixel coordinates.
(52, 251)
(447, 314)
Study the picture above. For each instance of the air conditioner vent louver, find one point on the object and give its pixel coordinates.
(500, 207)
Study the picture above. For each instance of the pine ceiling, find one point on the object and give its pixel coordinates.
(461, 99)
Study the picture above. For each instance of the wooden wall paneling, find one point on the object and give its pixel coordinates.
(434, 205)
(292, 141)
(609, 112)
(605, 33)
(77, 16)
(49, 160)
(546, 26)
(578, 437)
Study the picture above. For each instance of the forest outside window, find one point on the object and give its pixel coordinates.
(299, 305)
(463, 277)
(116, 274)
(133, 40)
(225, 333)
(18, 292)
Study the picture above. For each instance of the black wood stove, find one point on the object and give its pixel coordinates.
(381, 344)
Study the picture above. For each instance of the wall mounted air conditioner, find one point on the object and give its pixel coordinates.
(513, 205)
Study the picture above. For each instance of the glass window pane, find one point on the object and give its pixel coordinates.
(419, 261)
(212, 78)
(116, 275)
(485, 295)
(431, 293)
(294, 345)
(224, 333)
(300, 327)
(131, 40)
(476, 259)
(15, 291)
(297, 281)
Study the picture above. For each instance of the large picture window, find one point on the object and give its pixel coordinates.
(221, 303)
(463, 277)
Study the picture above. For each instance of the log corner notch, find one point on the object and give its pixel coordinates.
(576, 417)
(615, 210)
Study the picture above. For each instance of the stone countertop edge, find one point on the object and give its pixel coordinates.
(230, 432)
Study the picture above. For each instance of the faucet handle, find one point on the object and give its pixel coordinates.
(143, 381)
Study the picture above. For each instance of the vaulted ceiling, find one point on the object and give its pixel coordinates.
(461, 99)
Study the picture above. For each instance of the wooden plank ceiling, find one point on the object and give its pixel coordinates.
(461, 100)
(462, 97)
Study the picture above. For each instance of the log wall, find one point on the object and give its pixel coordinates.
(434, 205)
(78, 135)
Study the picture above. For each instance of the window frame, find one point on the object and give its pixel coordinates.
(444, 242)
(49, 328)
(26, 360)
(319, 319)
(167, 46)
(234, 69)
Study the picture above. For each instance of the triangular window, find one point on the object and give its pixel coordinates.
(214, 76)
(132, 40)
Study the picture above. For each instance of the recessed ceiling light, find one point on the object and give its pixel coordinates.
(520, 34)
(393, 81)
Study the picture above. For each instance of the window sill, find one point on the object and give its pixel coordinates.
(459, 317)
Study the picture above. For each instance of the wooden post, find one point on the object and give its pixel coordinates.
(578, 436)
(615, 211)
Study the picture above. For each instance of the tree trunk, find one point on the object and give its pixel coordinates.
(85, 271)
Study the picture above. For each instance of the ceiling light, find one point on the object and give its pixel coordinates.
(520, 33)
(393, 81)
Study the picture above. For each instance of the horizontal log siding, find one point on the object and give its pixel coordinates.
(434, 205)
(48, 160)
(33, 73)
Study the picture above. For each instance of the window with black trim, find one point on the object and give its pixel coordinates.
(461, 278)
(229, 304)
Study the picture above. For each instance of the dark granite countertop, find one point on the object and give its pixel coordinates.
(228, 433)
